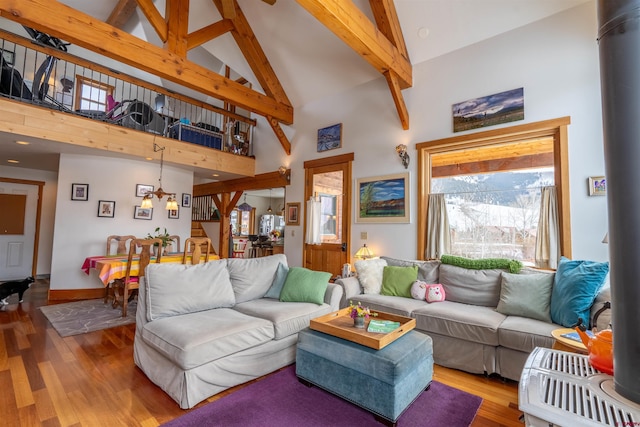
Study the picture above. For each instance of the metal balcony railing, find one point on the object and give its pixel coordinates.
(41, 72)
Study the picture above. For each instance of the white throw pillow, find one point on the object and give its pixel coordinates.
(370, 274)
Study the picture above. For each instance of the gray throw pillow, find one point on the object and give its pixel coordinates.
(526, 295)
(278, 282)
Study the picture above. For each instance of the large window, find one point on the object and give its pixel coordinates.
(492, 182)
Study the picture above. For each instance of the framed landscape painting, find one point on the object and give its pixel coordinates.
(489, 110)
(330, 137)
(383, 199)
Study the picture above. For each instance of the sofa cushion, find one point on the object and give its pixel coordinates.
(526, 295)
(191, 340)
(524, 334)
(287, 318)
(278, 282)
(251, 278)
(395, 305)
(304, 285)
(477, 287)
(174, 289)
(398, 280)
(463, 321)
(369, 273)
(576, 285)
(427, 270)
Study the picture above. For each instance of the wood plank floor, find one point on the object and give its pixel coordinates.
(91, 380)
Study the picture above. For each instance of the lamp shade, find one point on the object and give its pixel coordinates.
(364, 252)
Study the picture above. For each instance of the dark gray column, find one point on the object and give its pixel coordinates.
(619, 44)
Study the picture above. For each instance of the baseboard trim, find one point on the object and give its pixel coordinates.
(75, 294)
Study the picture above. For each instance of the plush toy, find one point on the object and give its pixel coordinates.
(419, 290)
(435, 293)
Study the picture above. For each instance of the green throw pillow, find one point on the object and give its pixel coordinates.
(397, 281)
(304, 285)
(526, 295)
(513, 265)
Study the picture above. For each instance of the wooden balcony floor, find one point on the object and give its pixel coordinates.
(91, 380)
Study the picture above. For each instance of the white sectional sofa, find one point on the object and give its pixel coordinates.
(468, 331)
(205, 328)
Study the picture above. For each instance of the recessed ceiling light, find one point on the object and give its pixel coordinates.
(215, 174)
(13, 161)
(423, 32)
(148, 158)
(23, 142)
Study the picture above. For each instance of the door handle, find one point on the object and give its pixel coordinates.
(344, 247)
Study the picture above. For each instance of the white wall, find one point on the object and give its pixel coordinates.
(79, 232)
(555, 60)
(49, 192)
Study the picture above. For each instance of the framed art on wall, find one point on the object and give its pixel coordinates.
(597, 186)
(106, 208)
(383, 199)
(330, 137)
(186, 200)
(293, 214)
(174, 213)
(489, 110)
(142, 213)
(80, 192)
(143, 189)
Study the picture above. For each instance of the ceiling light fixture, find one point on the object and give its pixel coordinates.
(13, 161)
(22, 143)
(269, 209)
(172, 204)
(245, 207)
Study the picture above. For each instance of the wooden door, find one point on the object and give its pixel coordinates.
(329, 181)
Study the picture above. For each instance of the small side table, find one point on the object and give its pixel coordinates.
(567, 344)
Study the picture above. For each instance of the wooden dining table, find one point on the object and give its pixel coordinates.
(113, 267)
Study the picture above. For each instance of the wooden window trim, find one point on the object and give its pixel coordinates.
(81, 80)
(554, 128)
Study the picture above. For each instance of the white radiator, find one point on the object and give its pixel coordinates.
(562, 389)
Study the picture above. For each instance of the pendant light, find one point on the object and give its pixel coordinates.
(269, 209)
(244, 206)
(172, 204)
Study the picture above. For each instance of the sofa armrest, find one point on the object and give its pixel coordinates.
(351, 288)
(333, 296)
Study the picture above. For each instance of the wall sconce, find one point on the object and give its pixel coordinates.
(282, 170)
(401, 149)
(364, 252)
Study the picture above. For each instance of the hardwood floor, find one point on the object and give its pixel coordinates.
(91, 380)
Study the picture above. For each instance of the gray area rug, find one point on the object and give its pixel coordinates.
(80, 317)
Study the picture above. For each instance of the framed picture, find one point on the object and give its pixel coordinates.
(383, 199)
(489, 110)
(330, 137)
(143, 189)
(597, 186)
(186, 200)
(142, 213)
(8, 56)
(80, 192)
(293, 214)
(106, 208)
(174, 213)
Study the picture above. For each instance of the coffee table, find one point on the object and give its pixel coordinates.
(384, 382)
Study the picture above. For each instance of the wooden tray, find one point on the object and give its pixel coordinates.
(339, 324)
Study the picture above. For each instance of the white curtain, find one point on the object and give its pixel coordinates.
(548, 236)
(313, 222)
(438, 232)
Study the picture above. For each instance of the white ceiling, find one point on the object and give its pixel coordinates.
(309, 60)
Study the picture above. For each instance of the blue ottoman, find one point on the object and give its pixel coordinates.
(384, 381)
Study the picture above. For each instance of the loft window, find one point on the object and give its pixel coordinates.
(92, 94)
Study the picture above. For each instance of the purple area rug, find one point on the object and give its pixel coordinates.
(279, 400)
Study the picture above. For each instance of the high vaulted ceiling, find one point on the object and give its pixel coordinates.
(309, 60)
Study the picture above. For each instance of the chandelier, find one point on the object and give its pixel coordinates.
(172, 204)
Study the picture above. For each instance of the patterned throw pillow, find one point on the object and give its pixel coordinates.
(435, 293)
(419, 290)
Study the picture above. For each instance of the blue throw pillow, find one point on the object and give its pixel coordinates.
(576, 286)
(278, 282)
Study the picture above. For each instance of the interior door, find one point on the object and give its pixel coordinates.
(328, 180)
(17, 247)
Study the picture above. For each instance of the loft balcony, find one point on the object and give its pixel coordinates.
(48, 93)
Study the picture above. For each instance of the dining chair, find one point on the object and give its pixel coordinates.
(239, 247)
(175, 243)
(130, 282)
(194, 246)
(122, 248)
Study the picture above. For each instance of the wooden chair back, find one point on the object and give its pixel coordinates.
(133, 282)
(195, 246)
(122, 241)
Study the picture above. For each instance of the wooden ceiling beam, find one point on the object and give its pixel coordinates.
(155, 19)
(121, 13)
(277, 129)
(258, 182)
(384, 12)
(177, 18)
(207, 33)
(398, 99)
(97, 36)
(346, 21)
